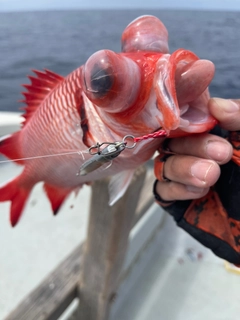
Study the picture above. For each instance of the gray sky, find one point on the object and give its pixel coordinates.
(26, 5)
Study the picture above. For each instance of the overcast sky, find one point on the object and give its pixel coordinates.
(29, 5)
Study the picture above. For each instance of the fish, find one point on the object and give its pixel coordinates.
(107, 102)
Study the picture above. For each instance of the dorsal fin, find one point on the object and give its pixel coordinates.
(41, 84)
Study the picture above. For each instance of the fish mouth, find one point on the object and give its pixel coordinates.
(191, 83)
(182, 81)
(195, 116)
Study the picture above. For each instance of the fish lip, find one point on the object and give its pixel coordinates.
(192, 77)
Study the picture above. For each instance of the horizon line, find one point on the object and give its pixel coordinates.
(118, 8)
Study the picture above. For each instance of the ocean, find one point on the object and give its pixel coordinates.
(63, 40)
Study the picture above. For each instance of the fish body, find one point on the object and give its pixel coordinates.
(113, 95)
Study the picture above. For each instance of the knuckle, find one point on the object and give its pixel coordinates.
(171, 167)
(164, 191)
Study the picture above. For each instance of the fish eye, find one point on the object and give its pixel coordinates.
(146, 33)
(110, 80)
(101, 79)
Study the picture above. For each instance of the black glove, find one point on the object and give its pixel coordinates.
(214, 220)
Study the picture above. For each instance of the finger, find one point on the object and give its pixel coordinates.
(207, 146)
(172, 191)
(227, 112)
(191, 171)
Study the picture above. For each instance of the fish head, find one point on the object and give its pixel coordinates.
(147, 87)
(114, 82)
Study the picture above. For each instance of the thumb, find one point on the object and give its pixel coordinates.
(227, 112)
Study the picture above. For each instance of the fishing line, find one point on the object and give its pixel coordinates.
(157, 134)
(46, 156)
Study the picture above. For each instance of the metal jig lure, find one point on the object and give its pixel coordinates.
(102, 156)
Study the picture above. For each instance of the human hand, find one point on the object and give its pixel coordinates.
(196, 165)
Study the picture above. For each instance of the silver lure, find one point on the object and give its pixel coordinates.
(101, 156)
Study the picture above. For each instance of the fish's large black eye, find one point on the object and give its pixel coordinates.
(110, 80)
(101, 80)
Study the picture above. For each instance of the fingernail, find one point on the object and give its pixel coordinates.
(194, 189)
(218, 151)
(227, 105)
(200, 170)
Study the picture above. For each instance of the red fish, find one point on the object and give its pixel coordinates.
(136, 92)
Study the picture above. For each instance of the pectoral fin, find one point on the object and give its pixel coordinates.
(118, 185)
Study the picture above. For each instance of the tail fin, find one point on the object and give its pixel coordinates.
(15, 192)
(10, 147)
